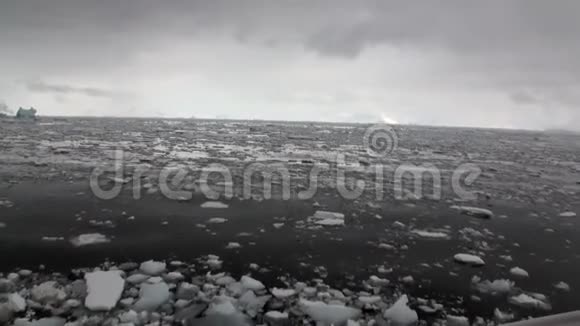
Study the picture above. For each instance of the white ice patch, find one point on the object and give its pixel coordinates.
(529, 302)
(469, 259)
(519, 272)
(567, 214)
(328, 314)
(283, 293)
(151, 296)
(89, 239)
(233, 245)
(251, 284)
(152, 267)
(430, 234)
(562, 286)
(104, 290)
(217, 220)
(474, 211)
(400, 314)
(326, 218)
(214, 204)
(496, 287)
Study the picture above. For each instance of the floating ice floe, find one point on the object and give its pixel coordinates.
(519, 272)
(89, 239)
(283, 293)
(474, 211)
(251, 284)
(568, 214)
(469, 259)
(530, 302)
(104, 290)
(214, 204)
(326, 218)
(430, 234)
(217, 220)
(562, 286)
(457, 321)
(52, 239)
(502, 317)
(233, 245)
(328, 314)
(400, 314)
(152, 268)
(48, 292)
(151, 296)
(495, 288)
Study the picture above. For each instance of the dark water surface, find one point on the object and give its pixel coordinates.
(350, 254)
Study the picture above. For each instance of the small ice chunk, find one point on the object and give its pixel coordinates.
(153, 268)
(329, 314)
(519, 272)
(326, 218)
(474, 211)
(221, 305)
(365, 299)
(104, 290)
(89, 239)
(562, 286)
(529, 302)
(151, 296)
(217, 220)
(16, 302)
(469, 259)
(276, 315)
(278, 225)
(251, 284)
(457, 321)
(430, 234)
(137, 278)
(251, 303)
(496, 287)
(400, 314)
(283, 293)
(502, 317)
(233, 245)
(47, 292)
(568, 214)
(214, 204)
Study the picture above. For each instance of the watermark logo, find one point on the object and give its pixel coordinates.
(351, 176)
(380, 140)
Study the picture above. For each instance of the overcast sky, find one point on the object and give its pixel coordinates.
(513, 64)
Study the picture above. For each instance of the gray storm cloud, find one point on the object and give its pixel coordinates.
(506, 64)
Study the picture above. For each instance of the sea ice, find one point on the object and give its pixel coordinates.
(89, 239)
(104, 290)
(469, 259)
(400, 314)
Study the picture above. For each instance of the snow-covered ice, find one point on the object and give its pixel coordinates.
(89, 239)
(469, 259)
(474, 211)
(104, 290)
(326, 218)
(400, 314)
(251, 283)
(153, 268)
(214, 204)
(430, 234)
(329, 314)
(519, 272)
(151, 296)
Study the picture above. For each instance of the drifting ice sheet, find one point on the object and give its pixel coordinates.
(104, 290)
